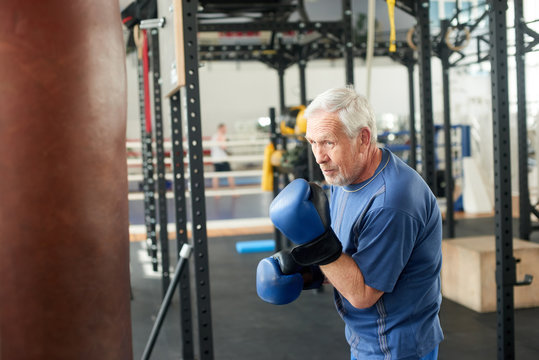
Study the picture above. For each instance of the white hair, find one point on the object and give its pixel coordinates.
(353, 109)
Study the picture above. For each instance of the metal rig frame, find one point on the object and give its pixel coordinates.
(336, 42)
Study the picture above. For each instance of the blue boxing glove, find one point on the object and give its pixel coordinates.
(301, 213)
(279, 280)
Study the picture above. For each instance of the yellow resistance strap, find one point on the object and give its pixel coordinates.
(392, 36)
(267, 169)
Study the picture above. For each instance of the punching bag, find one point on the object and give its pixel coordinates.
(64, 241)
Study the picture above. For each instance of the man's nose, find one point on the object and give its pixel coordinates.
(319, 154)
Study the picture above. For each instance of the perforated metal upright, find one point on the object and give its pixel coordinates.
(425, 93)
(407, 59)
(302, 66)
(196, 179)
(148, 184)
(313, 168)
(281, 67)
(160, 159)
(444, 52)
(525, 227)
(274, 138)
(505, 263)
(410, 64)
(181, 221)
(347, 41)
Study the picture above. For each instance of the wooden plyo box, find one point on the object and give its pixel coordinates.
(469, 272)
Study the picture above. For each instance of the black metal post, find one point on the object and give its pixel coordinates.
(313, 168)
(181, 222)
(272, 25)
(282, 101)
(347, 41)
(196, 177)
(276, 188)
(148, 184)
(160, 152)
(411, 98)
(425, 91)
(184, 255)
(302, 65)
(505, 263)
(525, 227)
(445, 52)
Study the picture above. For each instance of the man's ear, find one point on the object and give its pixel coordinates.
(365, 136)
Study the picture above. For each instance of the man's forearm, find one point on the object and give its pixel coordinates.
(346, 277)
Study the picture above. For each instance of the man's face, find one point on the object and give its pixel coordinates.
(339, 157)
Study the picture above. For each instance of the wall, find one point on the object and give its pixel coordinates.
(244, 91)
(238, 93)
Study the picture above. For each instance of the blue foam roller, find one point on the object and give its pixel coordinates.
(255, 246)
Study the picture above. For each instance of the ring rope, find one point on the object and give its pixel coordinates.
(453, 46)
(409, 38)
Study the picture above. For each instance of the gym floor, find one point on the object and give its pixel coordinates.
(244, 327)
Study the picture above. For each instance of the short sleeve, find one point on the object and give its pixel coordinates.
(385, 239)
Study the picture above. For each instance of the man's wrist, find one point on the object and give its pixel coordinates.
(321, 251)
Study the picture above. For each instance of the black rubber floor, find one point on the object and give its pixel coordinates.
(244, 327)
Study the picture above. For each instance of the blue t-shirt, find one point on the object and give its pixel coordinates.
(391, 226)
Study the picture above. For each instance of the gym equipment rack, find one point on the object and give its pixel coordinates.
(337, 37)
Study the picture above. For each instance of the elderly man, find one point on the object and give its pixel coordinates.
(377, 240)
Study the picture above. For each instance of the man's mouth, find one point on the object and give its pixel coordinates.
(327, 171)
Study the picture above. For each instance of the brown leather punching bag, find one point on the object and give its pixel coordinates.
(64, 247)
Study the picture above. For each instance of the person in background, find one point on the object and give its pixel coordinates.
(219, 155)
